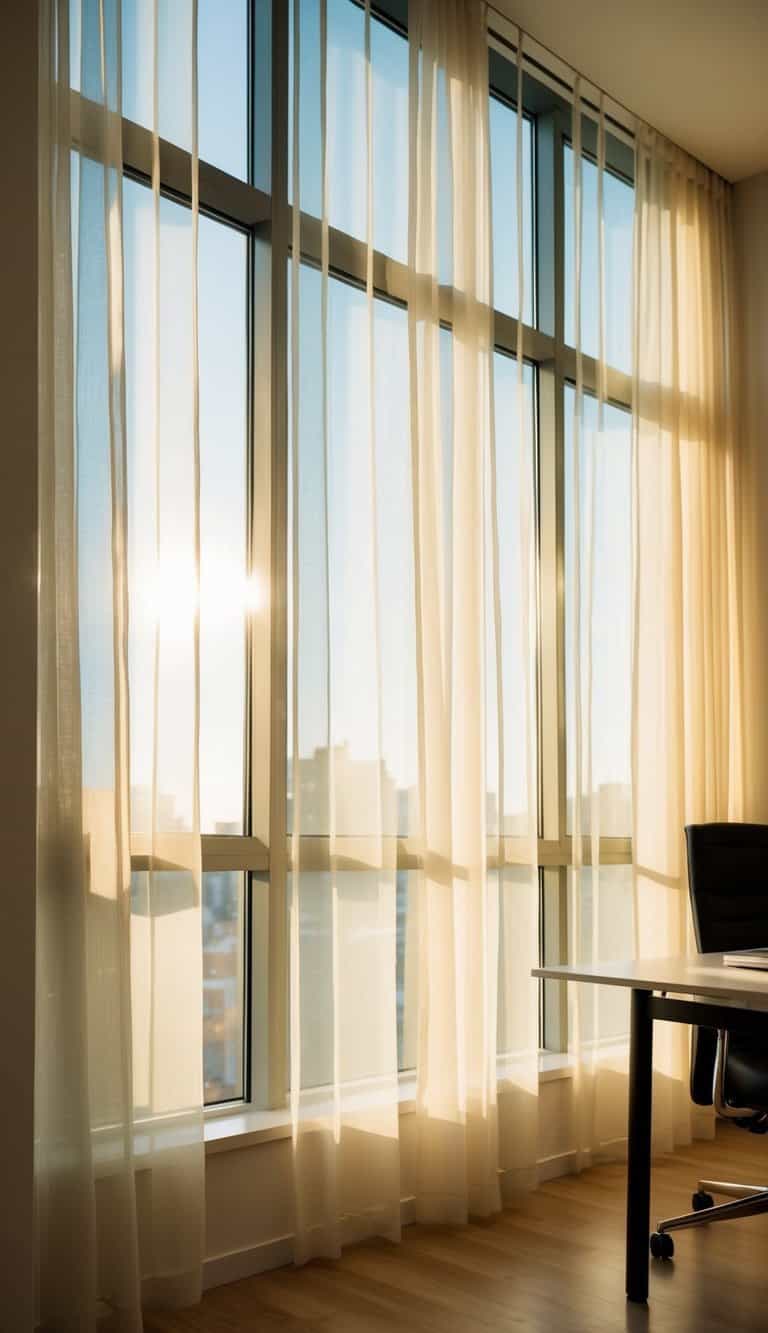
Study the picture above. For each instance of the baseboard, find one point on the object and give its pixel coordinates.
(239, 1264)
(236, 1265)
(559, 1164)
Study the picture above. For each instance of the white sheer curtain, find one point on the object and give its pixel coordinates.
(598, 623)
(683, 476)
(343, 810)
(119, 1143)
(412, 643)
(462, 457)
(689, 491)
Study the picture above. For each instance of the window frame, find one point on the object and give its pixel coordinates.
(262, 852)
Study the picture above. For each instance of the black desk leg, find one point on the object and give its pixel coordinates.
(639, 1146)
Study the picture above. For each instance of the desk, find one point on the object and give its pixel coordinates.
(726, 997)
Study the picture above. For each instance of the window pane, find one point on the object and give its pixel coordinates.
(516, 890)
(604, 1010)
(168, 590)
(618, 207)
(347, 124)
(553, 950)
(227, 595)
(159, 419)
(503, 130)
(223, 984)
(605, 560)
(407, 964)
(507, 812)
(222, 47)
(370, 597)
(222, 75)
(346, 926)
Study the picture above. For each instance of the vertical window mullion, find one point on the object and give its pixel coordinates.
(277, 324)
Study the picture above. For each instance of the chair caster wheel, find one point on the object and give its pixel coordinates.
(701, 1200)
(662, 1245)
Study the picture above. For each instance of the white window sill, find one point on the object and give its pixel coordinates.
(555, 1064)
(227, 1129)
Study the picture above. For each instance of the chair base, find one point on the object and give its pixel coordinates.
(747, 1201)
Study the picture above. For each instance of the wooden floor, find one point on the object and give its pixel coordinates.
(557, 1267)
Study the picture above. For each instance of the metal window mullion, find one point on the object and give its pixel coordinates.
(558, 1017)
(277, 963)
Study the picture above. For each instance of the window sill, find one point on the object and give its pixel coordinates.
(554, 1065)
(227, 1130)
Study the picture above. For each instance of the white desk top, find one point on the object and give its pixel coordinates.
(701, 974)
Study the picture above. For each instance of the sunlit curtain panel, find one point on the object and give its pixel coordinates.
(412, 787)
(351, 771)
(474, 533)
(689, 478)
(119, 1092)
(599, 214)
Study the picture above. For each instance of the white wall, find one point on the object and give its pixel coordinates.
(751, 247)
(18, 589)
(249, 1190)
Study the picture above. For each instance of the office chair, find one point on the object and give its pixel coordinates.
(728, 885)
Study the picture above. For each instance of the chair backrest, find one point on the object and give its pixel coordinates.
(728, 885)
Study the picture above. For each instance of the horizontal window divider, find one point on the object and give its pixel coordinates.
(233, 200)
(226, 851)
(552, 852)
(537, 346)
(347, 257)
(347, 852)
(176, 851)
(371, 852)
(618, 383)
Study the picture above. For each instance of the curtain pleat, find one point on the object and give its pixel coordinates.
(342, 907)
(471, 468)
(119, 1146)
(688, 675)
(597, 646)
(457, 1126)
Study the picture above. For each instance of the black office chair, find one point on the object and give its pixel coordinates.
(728, 883)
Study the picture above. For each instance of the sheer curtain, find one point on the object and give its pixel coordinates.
(689, 489)
(468, 638)
(681, 473)
(598, 622)
(343, 807)
(412, 718)
(119, 1147)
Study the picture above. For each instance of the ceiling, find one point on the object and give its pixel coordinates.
(695, 69)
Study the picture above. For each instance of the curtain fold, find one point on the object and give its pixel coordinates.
(457, 1126)
(674, 475)
(461, 457)
(119, 1146)
(343, 812)
(688, 476)
(412, 525)
(598, 634)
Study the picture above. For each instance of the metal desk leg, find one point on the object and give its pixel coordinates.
(639, 1146)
